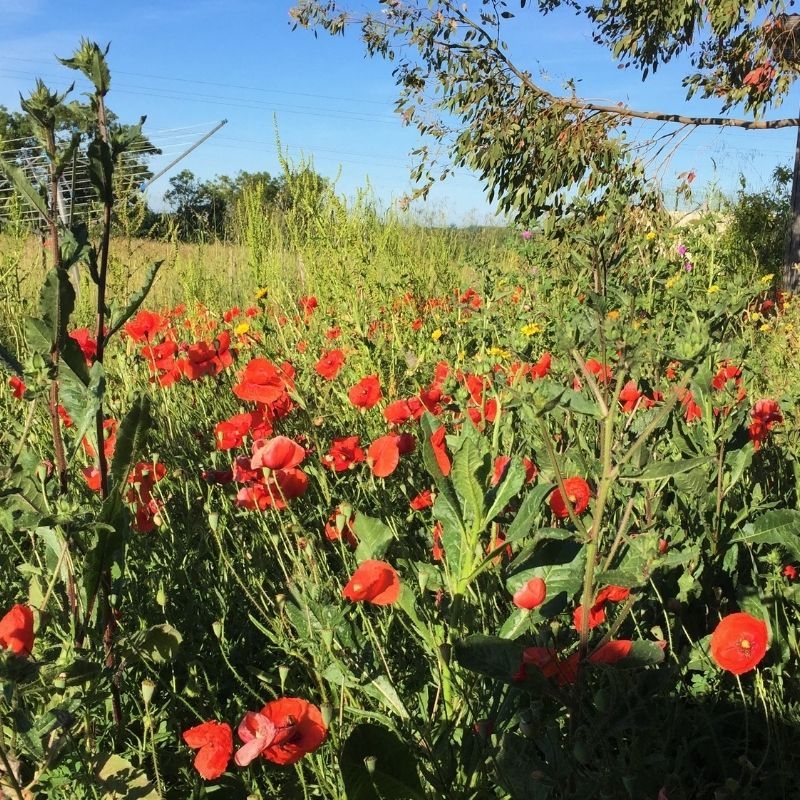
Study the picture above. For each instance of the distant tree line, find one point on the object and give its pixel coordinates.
(195, 209)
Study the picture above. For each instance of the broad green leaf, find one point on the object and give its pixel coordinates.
(453, 534)
(117, 779)
(374, 537)
(382, 690)
(81, 400)
(37, 337)
(377, 765)
(500, 495)
(25, 188)
(659, 470)
(130, 439)
(775, 527)
(101, 170)
(490, 655)
(159, 643)
(635, 566)
(528, 513)
(468, 463)
(518, 622)
(56, 303)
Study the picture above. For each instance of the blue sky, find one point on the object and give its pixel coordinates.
(187, 65)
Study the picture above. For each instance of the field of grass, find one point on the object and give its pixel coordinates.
(394, 511)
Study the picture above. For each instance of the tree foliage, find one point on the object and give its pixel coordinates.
(537, 151)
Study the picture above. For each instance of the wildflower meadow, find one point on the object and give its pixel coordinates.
(370, 510)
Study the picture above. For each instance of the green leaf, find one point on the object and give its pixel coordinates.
(25, 188)
(130, 439)
(374, 537)
(101, 170)
(453, 534)
(775, 527)
(500, 495)
(468, 463)
(118, 779)
(377, 765)
(659, 470)
(490, 655)
(81, 399)
(528, 513)
(382, 690)
(136, 300)
(159, 643)
(37, 337)
(56, 303)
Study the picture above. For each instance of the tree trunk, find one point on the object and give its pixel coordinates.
(791, 257)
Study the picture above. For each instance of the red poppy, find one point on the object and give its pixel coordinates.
(329, 364)
(766, 414)
(437, 552)
(16, 630)
(423, 500)
(383, 455)
(87, 344)
(343, 454)
(18, 387)
(597, 612)
(531, 594)
(401, 411)
(282, 732)
(500, 464)
(611, 652)
(205, 358)
(308, 305)
(692, 411)
(629, 397)
(278, 453)
(230, 432)
(790, 572)
(145, 326)
(366, 393)
(374, 582)
(531, 470)
(340, 526)
(578, 492)
(214, 742)
(546, 660)
(542, 366)
(263, 382)
(739, 642)
(440, 450)
(601, 371)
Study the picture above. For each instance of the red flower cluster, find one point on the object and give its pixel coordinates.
(373, 582)
(18, 387)
(739, 642)
(143, 477)
(282, 732)
(270, 474)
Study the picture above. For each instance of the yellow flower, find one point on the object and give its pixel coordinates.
(498, 352)
(262, 293)
(767, 278)
(531, 329)
(461, 355)
(436, 335)
(713, 289)
(613, 314)
(638, 323)
(765, 328)
(241, 328)
(670, 282)
(650, 235)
